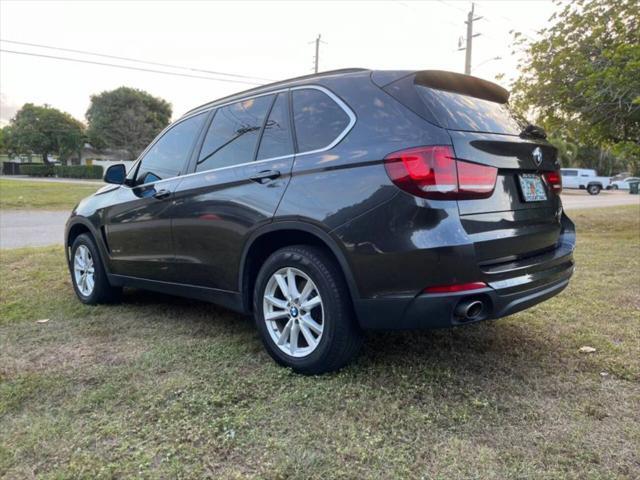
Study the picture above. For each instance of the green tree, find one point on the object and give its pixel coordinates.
(603, 159)
(3, 142)
(126, 119)
(581, 79)
(44, 130)
(567, 151)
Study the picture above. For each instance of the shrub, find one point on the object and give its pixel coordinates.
(37, 170)
(62, 171)
(79, 171)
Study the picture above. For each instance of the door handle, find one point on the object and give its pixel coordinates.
(264, 176)
(160, 194)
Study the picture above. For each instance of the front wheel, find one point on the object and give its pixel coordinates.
(593, 189)
(303, 311)
(89, 278)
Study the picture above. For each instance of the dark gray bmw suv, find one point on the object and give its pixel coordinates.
(333, 203)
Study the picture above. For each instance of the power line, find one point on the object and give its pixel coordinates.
(412, 7)
(503, 19)
(506, 20)
(129, 59)
(487, 61)
(452, 6)
(128, 67)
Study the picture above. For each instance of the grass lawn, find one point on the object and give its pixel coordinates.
(159, 387)
(23, 194)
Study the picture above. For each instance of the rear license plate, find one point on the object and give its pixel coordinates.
(532, 187)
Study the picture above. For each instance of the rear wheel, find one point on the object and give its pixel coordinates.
(303, 311)
(88, 276)
(594, 189)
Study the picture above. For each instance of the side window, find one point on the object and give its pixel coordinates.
(233, 134)
(318, 119)
(570, 173)
(168, 155)
(276, 138)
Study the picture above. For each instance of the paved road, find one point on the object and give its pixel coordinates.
(31, 228)
(50, 180)
(35, 228)
(579, 199)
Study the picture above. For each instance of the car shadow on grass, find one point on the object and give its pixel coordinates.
(486, 349)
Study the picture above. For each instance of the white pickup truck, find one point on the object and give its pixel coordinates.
(583, 179)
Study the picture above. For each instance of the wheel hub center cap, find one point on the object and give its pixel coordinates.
(293, 311)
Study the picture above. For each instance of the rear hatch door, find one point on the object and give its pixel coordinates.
(506, 226)
(521, 218)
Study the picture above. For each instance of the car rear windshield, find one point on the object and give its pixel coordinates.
(456, 111)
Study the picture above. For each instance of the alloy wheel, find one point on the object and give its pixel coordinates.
(84, 271)
(293, 312)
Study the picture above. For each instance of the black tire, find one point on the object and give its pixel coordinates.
(594, 189)
(341, 337)
(102, 291)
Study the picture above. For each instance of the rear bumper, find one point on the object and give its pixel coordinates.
(510, 289)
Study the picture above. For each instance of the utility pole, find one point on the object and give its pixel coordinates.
(317, 57)
(469, 43)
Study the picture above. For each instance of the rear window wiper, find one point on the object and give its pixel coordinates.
(533, 131)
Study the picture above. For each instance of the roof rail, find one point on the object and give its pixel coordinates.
(280, 82)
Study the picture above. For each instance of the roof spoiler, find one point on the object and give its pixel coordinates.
(463, 84)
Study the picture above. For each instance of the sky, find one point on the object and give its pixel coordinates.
(271, 40)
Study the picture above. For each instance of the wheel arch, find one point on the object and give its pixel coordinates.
(267, 240)
(77, 227)
(75, 231)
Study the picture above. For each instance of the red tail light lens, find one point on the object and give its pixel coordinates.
(426, 171)
(476, 181)
(554, 180)
(433, 172)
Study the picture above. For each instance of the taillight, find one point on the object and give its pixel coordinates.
(476, 181)
(554, 180)
(434, 172)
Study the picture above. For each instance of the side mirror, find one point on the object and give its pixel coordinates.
(115, 174)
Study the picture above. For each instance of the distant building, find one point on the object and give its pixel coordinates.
(90, 154)
(25, 158)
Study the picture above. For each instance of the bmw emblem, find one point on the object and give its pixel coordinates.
(537, 156)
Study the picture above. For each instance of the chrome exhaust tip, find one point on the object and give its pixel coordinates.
(470, 310)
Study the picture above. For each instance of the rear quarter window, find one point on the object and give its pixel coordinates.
(318, 119)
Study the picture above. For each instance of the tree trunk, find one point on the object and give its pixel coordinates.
(45, 158)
